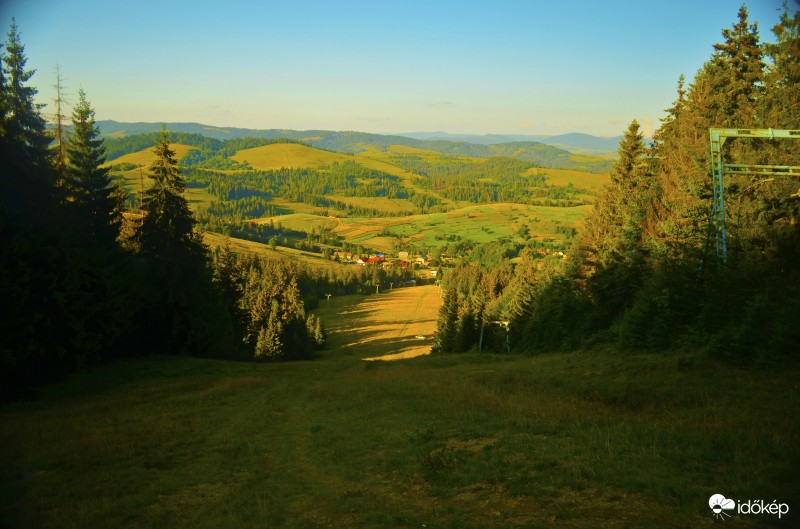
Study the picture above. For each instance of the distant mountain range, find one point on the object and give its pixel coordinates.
(572, 141)
(552, 151)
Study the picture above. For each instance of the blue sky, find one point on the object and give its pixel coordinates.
(459, 66)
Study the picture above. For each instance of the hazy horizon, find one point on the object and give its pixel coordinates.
(509, 68)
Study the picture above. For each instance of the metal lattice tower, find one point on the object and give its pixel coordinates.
(720, 169)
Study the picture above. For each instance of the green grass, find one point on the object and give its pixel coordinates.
(134, 180)
(280, 155)
(589, 439)
(242, 246)
(481, 223)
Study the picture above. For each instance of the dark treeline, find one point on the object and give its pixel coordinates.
(643, 273)
(74, 291)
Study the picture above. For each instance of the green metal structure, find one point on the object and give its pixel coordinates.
(720, 169)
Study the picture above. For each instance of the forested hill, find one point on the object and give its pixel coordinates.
(357, 142)
(573, 142)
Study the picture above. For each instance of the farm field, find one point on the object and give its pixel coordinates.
(475, 223)
(575, 440)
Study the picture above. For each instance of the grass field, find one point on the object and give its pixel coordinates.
(258, 249)
(292, 155)
(134, 180)
(288, 155)
(476, 223)
(563, 177)
(396, 325)
(573, 440)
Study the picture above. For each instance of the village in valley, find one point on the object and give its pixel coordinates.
(404, 261)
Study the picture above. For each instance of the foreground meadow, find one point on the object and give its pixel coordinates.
(583, 439)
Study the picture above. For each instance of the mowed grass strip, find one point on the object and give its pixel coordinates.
(579, 440)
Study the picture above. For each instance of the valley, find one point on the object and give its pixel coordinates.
(386, 198)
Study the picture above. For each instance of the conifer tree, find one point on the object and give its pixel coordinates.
(59, 133)
(167, 229)
(185, 311)
(444, 340)
(27, 190)
(739, 75)
(95, 201)
(23, 121)
(615, 228)
(782, 80)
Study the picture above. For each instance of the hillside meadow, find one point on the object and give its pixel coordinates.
(577, 440)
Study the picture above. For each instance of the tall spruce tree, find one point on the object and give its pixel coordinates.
(167, 229)
(739, 75)
(612, 248)
(782, 80)
(24, 122)
(183, 303)
(95, 200)
(27, 191)
(59, 132)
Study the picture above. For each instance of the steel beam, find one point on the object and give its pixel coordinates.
(717, 137)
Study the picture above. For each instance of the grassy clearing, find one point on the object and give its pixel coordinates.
(288, 155)
(258, 249)
(398, 324)
(133, 180)
(292, 155)
(589, 439)
(476, 223)
(146, 157)
(580, 179)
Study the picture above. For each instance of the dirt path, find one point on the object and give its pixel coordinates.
(396, 324)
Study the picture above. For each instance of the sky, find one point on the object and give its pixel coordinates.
(489, 67)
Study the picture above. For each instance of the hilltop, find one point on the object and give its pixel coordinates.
(539, 153)
(574, 142)
(308, 199)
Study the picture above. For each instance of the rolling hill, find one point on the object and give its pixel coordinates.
(359, 142)
(572, 142)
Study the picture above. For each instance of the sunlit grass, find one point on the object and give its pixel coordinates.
(575, 440)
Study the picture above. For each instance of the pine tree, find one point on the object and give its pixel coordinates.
(185, 311)
(740, 74)
(27, 181)
(88, 187)
(268, 344)
(167, 229)
(615, 228)
(782, 80)
(59, 133)
(612, 249)
(444, 341)
(23, 121)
